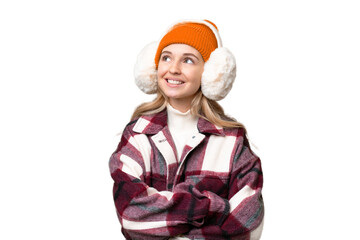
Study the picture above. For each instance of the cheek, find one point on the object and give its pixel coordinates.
(160, 72)
(200, 76)
(158, 75)
(196, 76)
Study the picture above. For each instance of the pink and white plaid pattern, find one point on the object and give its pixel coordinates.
(211, 191)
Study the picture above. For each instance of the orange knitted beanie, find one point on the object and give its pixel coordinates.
(197, 35)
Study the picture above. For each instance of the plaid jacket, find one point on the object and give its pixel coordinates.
(213, 191)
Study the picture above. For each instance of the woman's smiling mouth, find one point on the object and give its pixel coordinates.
(174, 82)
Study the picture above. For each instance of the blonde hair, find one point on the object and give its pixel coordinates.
(201, 106)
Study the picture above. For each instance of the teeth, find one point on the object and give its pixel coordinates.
(174, 81)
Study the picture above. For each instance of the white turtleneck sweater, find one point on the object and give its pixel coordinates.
(182, 126)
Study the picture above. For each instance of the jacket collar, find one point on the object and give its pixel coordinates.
(152, 124)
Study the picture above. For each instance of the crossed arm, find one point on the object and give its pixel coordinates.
(146, 213)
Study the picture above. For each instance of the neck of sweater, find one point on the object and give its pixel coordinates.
(179, 121)
(182, 126)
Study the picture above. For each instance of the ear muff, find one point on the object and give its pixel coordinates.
(217, 78)
(145, 70)
(219, 74)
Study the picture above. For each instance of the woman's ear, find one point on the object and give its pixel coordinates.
(145, 69)
(219, 74)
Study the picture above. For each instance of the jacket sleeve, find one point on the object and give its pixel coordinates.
(144, 212)
(243, 219)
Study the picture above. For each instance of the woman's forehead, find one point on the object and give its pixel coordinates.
(180, 48)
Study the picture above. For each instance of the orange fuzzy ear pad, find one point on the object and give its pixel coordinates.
(197, 35)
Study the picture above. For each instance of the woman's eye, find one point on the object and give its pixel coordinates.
(166, 58)
(188, 60)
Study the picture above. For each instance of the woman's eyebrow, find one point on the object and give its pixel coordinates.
(167, 52)
(191, 54)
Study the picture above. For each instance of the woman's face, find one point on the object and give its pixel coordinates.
(179, 74)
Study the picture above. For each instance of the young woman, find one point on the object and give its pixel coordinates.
(183, 169)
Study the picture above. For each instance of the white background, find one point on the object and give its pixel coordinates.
(67, 89)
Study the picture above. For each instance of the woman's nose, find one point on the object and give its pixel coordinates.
(175, 68)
